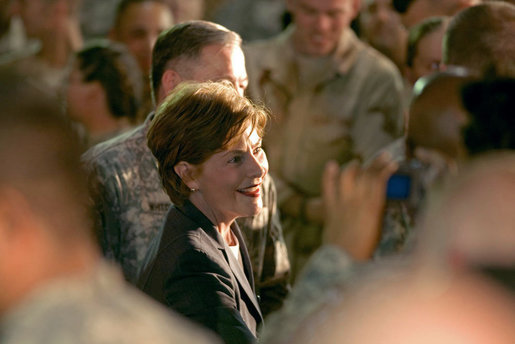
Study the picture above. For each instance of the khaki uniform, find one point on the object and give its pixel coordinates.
(344, 106)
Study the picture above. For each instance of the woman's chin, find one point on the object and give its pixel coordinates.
(253, 210)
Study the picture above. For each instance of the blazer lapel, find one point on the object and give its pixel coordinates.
(244, 276)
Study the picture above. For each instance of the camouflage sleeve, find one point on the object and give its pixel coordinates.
(321, 280)
(105, 189)
(273, 283)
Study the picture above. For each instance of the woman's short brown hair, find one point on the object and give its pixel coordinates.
(195, 121)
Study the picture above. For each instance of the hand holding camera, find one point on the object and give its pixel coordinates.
(354, 202)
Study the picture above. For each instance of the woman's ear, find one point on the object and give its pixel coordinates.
(187, 172)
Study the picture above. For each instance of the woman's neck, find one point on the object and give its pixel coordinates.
(222, 224)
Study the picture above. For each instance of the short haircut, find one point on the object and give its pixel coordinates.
(40, 156)
(481, 37)
(195, 121)
(117, 71)
(435, 110)
(186, 41)
(124, 4)
(491, 105)
(418, 32)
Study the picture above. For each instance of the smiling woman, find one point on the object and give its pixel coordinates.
(207, 141)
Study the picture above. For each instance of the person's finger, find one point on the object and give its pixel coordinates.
(379, 162)
(347, 184)
(389, 169)
(330, 183)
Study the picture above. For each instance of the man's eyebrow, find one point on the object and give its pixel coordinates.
(232, 78)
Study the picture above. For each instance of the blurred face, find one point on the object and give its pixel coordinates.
(417, 11)
(78, 95)
(448, 130)
(380, 24)
(184, 10)
(320, 23)
(139, 27)
(35, 15)
(229, 182)
(220, 62)
(484, 203)
(422, 9)
(428, 57)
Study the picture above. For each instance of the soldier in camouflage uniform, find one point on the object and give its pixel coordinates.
(332, 96)
(54, 288)
(128, 194)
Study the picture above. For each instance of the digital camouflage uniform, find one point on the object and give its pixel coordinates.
(344, 106)
(131, 205)
(95, 308)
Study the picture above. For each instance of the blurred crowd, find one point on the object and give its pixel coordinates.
(257, 171)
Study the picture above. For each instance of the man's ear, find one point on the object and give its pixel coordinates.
(187, 172)
(169, 81)
(356, 7)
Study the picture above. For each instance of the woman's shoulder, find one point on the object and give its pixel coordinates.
(182, 233)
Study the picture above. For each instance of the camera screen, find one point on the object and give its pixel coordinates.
(398, 187)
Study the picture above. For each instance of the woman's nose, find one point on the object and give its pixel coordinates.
(259, 165)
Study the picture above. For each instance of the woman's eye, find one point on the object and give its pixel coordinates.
(235, 159)
(258, 150)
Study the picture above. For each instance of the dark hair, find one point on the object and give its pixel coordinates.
(418, 32)
(124, 4)
(437, 105)
(491, 104)
(481, 36)
(195, 121)
(402, 6)
(117, 71)
(40, 154)
(186, 40)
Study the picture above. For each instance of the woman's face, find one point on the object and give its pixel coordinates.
(229, 182)
(78, 95)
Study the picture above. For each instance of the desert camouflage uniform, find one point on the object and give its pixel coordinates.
(341, 107)
(132, 205)
(96, 308)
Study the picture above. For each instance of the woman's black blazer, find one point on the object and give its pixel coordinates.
(195, 274)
